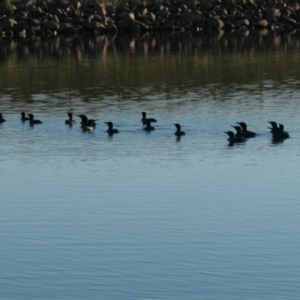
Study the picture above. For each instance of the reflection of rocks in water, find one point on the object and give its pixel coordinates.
(147, 43)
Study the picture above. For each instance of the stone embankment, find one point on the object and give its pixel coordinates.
(36, 17)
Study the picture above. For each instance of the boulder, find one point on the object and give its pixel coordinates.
(193, 17)
(110, 27)
(123, 25)
(263, 32)
(134, 27)
(51, 25)
(109, 9)
(272, 13)
(55, 19)
(86, 24)
(128, 17)
(215, 23)
(100, 9)
(189, 3)
(288, 20)
(97, 26)
(243, 22)
(78, 20)
(186, 22)
(168, 27)
(68, 28)
(28, 2)
(263, 23)
(151, 16)
(141, 18)
(8, 24)
(77, 4)
(251, 3)
(241, 2)
(164, 13)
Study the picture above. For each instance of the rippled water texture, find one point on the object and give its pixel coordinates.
(143, 215)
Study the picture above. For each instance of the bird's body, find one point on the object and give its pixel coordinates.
(70, 122)
(1, 119)
(274, 128)
(90, 126)
(23, 117)
(32, 121)
(233, 139)
(245, 132)
(145, 120)
(178, 132)
(148, 126)
(85, 121)
(280, 134)
(238, 132)
(111, 130)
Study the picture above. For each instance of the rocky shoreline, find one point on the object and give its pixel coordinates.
(36, 17)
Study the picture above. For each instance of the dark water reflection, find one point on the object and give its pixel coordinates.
(140, 63)
(143, 215)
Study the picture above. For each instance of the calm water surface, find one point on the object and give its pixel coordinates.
(143, 215)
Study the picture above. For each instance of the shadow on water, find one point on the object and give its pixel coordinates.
(146, 63)
(145, 43)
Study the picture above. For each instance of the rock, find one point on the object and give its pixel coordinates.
(141, 18)
(193, 17)
(86, 25)
(59, 13)
(77, 4)
(252, 3)
(8, 33)
(134, 27)
(167, 27)
(78, 20)
(151, 16)
(109, 9)
(22, 26)
(295, 6)
(67, 15)
(28, 2)
(164, 13)
(128, 17)
(272, 14)
(141, 25)
(206, 5)
(215, 23)
(287, 12)
(110, 27)
(8, 24)
(87, 11)
(241, 2)
(243, 22)
(68, 28)
(97, 26)
(188, 3)
(288, 20)
(100, 9)
(157, 6)
(55, 19)
(123, 25)
(186, 22)
(51, 25)
(22, 33)
(261, 23)
(263, 32)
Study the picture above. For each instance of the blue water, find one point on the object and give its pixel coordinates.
(144, 216)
